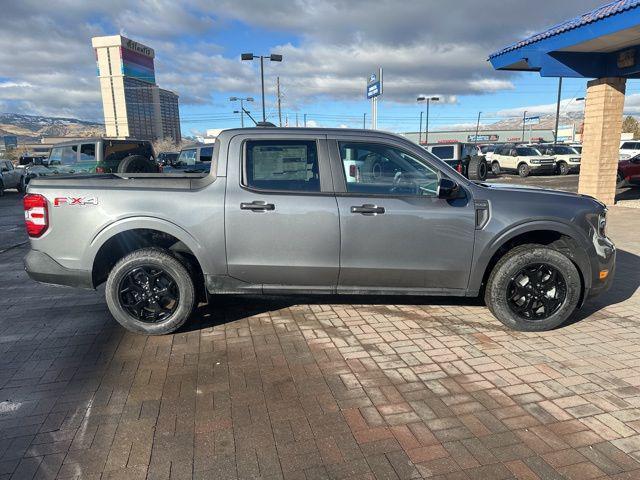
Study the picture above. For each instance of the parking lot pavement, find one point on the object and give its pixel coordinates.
(303, 388)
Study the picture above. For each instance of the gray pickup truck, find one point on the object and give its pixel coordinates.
(316, 211)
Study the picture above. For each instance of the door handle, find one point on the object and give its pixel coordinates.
(257, 206)
(368, 209)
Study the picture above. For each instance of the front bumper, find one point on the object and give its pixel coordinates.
(604, 259)
(545, 167)
(42, 268)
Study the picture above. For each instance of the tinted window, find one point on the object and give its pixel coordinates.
(88, 152)
(564, 150)
(187, 157)
(63, 155)
(527, 151)
(628, 146)
(443, 153)
(380, 169)
(282, 165)
(206, 154)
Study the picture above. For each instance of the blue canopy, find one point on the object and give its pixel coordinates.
(604, 42)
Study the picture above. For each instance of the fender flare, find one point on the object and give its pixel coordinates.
(581, 258)
(141, 222)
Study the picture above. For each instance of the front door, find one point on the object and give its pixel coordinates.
(281, 217)
(395, 232)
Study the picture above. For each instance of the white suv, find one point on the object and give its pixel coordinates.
(629, 149)
(567, 158)
(522, 159)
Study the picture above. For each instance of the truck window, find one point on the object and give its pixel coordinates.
(380, 169)
(187, 157)
(206, 154)
(64, 155)
(443, 153)
(281, 165)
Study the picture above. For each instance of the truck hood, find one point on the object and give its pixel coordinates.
(531, 189)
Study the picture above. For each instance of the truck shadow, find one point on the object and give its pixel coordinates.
(230, 308)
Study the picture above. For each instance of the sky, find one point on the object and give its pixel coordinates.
(427, 47)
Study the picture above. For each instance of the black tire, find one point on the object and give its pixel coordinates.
(495, 168)
(1, 189)
(137, 164)
(506, 271)
(524, 170)
(20, 186)
(477, 168)
(151, 259)
(562, 168)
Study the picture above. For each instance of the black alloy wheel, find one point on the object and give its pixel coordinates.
(149, 294)
(536, 291)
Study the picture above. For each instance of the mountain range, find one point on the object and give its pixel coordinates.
(30, 128)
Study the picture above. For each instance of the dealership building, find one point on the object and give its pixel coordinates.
(134, 105)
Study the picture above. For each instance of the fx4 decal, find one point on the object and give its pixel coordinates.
(74, 201)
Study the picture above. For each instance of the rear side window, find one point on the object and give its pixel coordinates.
(206, 154)
(64, 155)
(443, 153)
(629, 146)
(88, 152)
(282, 165)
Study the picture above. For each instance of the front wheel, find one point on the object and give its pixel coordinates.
(524, 170)
(563, 168)
(533, 288)
(149, 291)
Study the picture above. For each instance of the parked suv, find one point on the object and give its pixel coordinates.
(521, 159)
(567, 157)
(10, 177)
(629, 149)
(465, 158)
(279, 213)
(102, 155)
(194, 158)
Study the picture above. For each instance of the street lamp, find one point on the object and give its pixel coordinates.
(274, 58)
(241, 100)
(421, 99)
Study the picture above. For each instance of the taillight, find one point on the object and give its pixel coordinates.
(459, 168)
(36, 215)
(99, 169)
(352, 171)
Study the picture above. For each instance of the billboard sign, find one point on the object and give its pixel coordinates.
(10, 142)
(531, 120)
(483, 137)
(374, 85)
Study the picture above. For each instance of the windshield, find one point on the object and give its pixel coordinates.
(187, 157)
(527, 152)
(564, 150)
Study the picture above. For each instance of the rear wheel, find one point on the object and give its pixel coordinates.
(495, 168)
(477, 168)
(533, 288)
(619, 180)
(563, 168)
(149, 291)
(524, 170)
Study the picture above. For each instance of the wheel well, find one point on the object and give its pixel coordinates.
(563, 243)
(126, 242)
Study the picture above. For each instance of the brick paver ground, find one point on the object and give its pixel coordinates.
(315, 388)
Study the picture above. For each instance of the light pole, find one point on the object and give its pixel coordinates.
(475, 140)
(274, 58)
(241, 111)
(524, 121)
(420, 99)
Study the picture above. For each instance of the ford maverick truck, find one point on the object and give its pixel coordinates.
(316, 211)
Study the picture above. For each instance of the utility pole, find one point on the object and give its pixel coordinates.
(279, 103)
(475, 140)
(420, 130)
(305, 120)
(555, 138)
(296, 119)
(524, 119)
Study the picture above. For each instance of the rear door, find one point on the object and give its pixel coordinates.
(394, 231)
(281, 217)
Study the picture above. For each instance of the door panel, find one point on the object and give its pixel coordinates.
(281, 238)
(407, 238)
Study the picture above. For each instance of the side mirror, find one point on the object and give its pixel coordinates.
(447, 188)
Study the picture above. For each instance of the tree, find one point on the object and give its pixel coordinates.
(630, 125)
